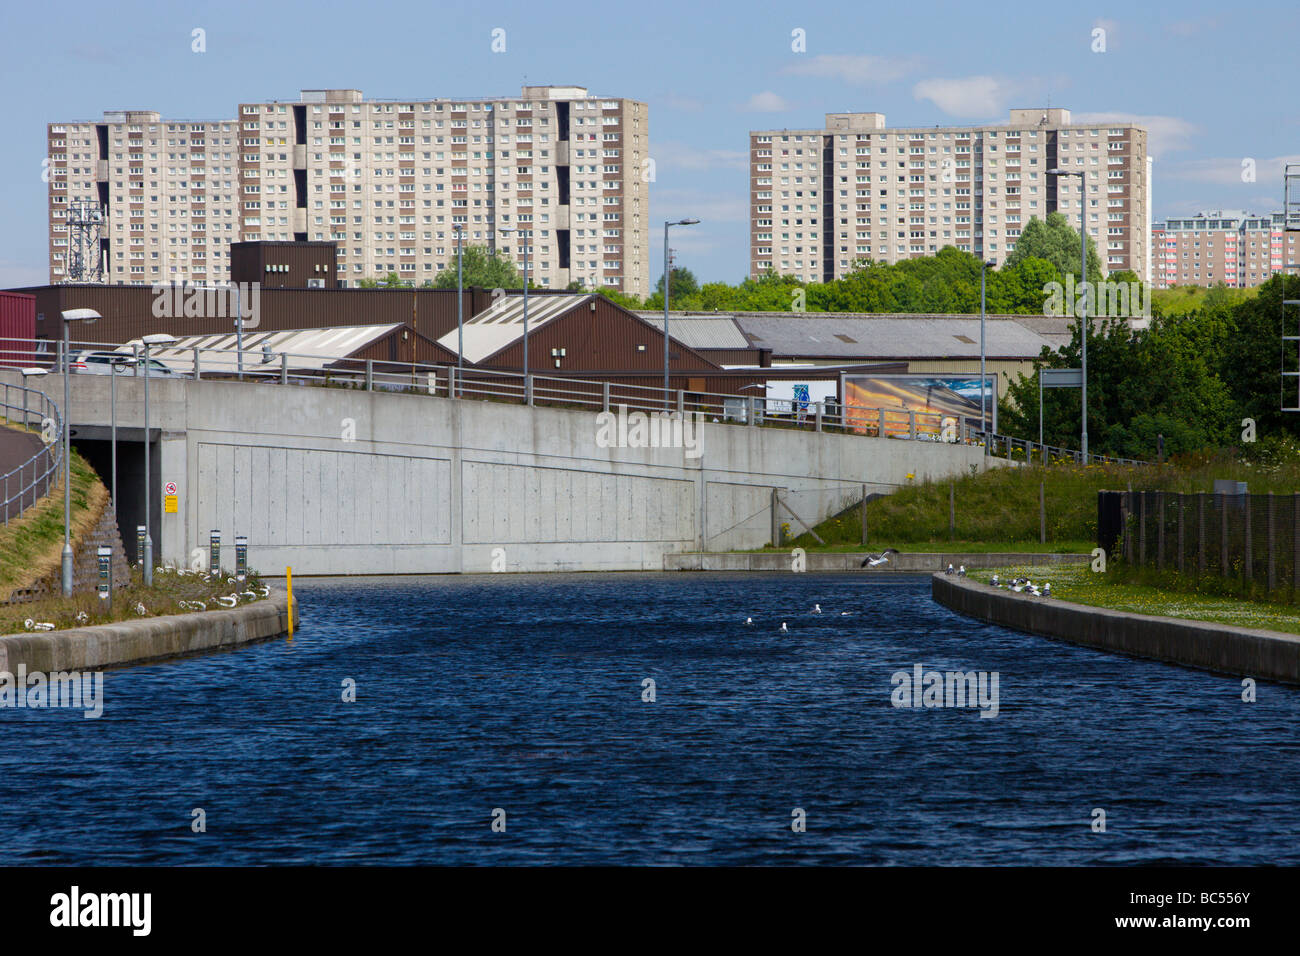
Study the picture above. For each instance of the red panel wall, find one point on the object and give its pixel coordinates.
(17, 322)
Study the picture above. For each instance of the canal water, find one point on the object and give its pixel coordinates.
(523, 701)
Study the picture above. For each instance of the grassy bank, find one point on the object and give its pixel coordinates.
(997, 510)
(32, 546)
(165, 597)
(1081, 585)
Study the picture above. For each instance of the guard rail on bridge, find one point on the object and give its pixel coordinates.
(31, 479)
(446, 380)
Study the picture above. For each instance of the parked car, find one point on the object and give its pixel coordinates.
(106, 363)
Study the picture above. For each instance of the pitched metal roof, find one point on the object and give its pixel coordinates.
(307, 348)
(501, 325)
(700, 331)
(890, 337)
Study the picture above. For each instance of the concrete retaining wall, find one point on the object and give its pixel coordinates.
(915, 561)
(132, 642)
(1245, 652)
(342, 481)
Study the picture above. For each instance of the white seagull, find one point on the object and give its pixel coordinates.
(140, 609)
(38, 625)
(784, 629)
(950, 570)
(994, 582)
(961, 571)
(817, 609)
(749, 620)
(874, 560)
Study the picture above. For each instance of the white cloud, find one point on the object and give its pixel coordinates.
(1226, 171)
(1165, 134)
(670, 155)
(970, 96)
(707, 206)
(766, 102)
(854, 69)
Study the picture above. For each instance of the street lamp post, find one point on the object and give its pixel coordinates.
(667, 283)
(158, 338)
(71, 315)
(521, 235)
(26, 374)
(983, 376)
(1083, 308)
(460, 304)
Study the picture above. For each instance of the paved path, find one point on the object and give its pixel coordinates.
(16, 447)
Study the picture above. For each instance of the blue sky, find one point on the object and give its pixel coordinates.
(1214, 83)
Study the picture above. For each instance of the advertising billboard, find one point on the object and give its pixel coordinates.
(938, 404)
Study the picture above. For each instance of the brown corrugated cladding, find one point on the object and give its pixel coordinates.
(600, 338)
(127, 310)
(266, 262)
(17, 320)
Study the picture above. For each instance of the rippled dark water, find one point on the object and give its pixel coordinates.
(525, 693)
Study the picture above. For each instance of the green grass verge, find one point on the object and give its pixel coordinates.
(169, 589)
(997, 510)
(30, 545)
(1079, 584)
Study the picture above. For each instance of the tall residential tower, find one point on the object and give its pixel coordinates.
(388, 180)
(822, 199)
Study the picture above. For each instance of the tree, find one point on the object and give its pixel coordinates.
(1057, 242)
(479, 267)
(390, 281)
(684, 284)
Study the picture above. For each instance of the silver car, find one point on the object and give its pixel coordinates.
(121, 363)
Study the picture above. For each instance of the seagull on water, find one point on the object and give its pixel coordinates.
(784, 629)
(875, 560)
(817, 609)
(749, 620)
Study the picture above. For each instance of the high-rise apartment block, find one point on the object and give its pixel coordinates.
(1237, 248)
(391, 182)
(823, 199)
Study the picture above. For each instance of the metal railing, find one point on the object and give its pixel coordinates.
(25, 485)
(447, 381)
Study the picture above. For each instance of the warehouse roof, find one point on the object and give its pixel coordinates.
(307, 348)
(501, 325)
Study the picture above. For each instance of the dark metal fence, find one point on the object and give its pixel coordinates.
(1250, 539)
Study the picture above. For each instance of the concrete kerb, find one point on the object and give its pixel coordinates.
(923, 562)
(1222, 648)
(147, 639)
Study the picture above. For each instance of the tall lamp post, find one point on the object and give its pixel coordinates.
(157, 338)
(667, 283)
(459, 230)
(524, 238)
(983, 378)
(71, 315)
(1083, 307)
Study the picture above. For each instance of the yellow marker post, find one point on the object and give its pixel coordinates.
(288, 577)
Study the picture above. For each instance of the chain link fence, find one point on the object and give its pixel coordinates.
(1251, 539)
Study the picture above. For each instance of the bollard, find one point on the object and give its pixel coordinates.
(105, 555)
(214, 552)
(139, 544)
(241, 557)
